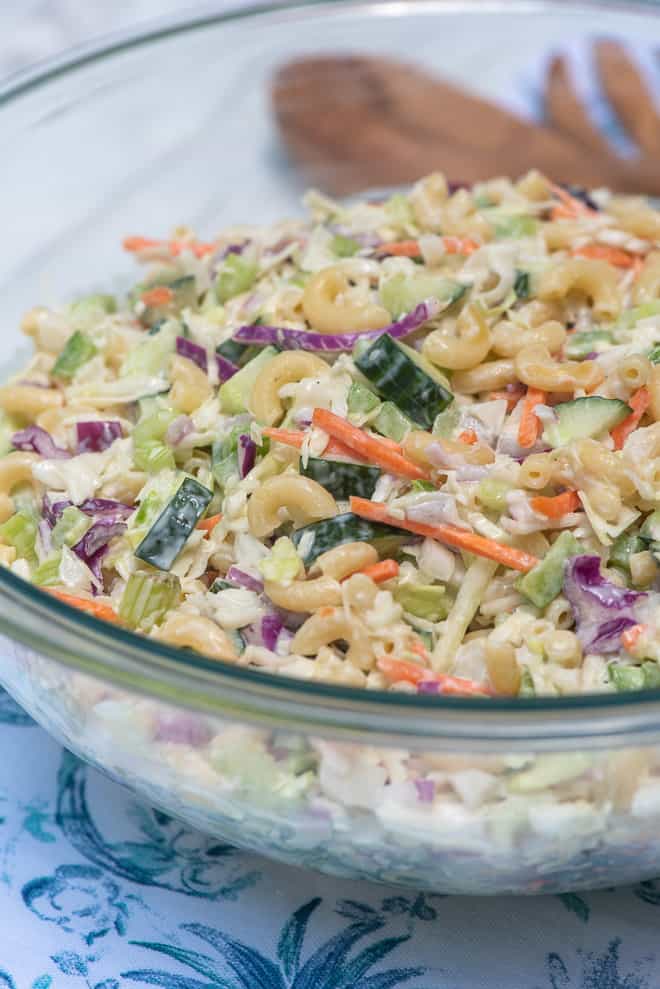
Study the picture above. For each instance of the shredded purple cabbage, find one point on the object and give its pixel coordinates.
(425, 790)
(93, 546)
(226, 368)
(193, 351)
(101, 509)
(303, 340)
(271, 626)
(243, 579)
(34, 439)
(428, 687)
(178, 430)
(247, 455)
(182, 729)
(602, 609)
(96, 436)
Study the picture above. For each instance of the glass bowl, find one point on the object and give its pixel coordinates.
(454, 795)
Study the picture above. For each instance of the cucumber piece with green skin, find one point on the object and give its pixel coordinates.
(583, 418)
(361, 400)
(427, 601)
(238, 353)
(77, 351)
(171, 530)
(654, 355)
(392, 423)
(624, 678)
(184, 296)
(544, 582)
(623, 548)
(521, 285)
(404, 377)
(235, 394)
(340, 479)
(650, 534)
(401, 293)
(344, 247)
(318, 537)
(580, 345)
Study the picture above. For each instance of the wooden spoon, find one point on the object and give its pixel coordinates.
(355, 122)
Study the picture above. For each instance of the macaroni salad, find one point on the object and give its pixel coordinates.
(407, 444)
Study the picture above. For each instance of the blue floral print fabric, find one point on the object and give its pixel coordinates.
(98, 891)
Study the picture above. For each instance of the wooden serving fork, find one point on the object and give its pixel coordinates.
(355, 122)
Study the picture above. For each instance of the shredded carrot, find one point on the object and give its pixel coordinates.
(367, 446)
(468, 436)
(293, 437)
(639, 403)
(471, 542)
(418, 647)
(412, 249)
(638, 264)
(326, 611)
(511, 396)
(557, 506)
(397, 670)
(380, 572)
(175, 247)
(96, 608)
(159, 296)
(570, 207)
(631, 636)
(529, 428)
(209, 524)
(601, 252)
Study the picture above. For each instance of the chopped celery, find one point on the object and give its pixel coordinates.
(171, 530)
(391, 422)
(578, 345)
(399, 210)
(153, 457)
(492, 493)
(147, 598)
(626, 677)
(427, 601)
(85, 313)
(401, 293)
(417, 486)
(623, 548)
(344, 247)
(446, 422)
(150, 453)
(20, 531)
(361, 399)
(224, 456)
(151, 356)
(77, 351)
(515, 226)
(235, 394)
(521, 284)
(237, 274)
(70, 527)
(47, 573)
(282, 563)
(544, 581)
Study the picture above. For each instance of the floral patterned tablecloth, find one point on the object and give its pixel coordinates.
(98, 891)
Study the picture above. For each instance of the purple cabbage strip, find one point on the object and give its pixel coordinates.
(94, 545)
(182, 729)
(271, 626)
(96, 436)
(247, 455)
(102, 509)
(602, 609)
(34, 439)
(428, 687)
(226, 368)
(243, 579)
(425, 790)
(193, 351)
(304, 340)
(178, 430)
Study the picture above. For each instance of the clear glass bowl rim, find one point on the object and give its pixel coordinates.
(43, 624)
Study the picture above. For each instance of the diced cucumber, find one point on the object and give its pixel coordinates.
(515, 226)
(77, 351)
(404, 377)
(401, 293)
(391, 422)
(221, 585)
(646, 676)
(521, 285)
(238, 353)
(171, 530)
(654, 355)
(316, 538)
(151, 355)
(584, 417)
(236, 393)
(184, 296)
(399, 210)
(427, 601)
(623, 548)
(361, 400)
(446, 422)
(237, 274)
(650, 534)
(47, 574)
(579, 345)
(344, 247)
(340, 479)
(544, 582)
(492, 494)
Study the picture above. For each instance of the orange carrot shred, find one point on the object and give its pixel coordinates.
(296, 438)
(471, 542)
(529, 428)
(639, 403)
(570, 207)
(602, 252)
(367, 446)
(380, 572)
(209, 524)
(557, 506)
(139, 243)
(468, 436)
(511, 396)
(412, 249)
(397, 670)
(95, 608)
(161, 295)
(631, 636)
